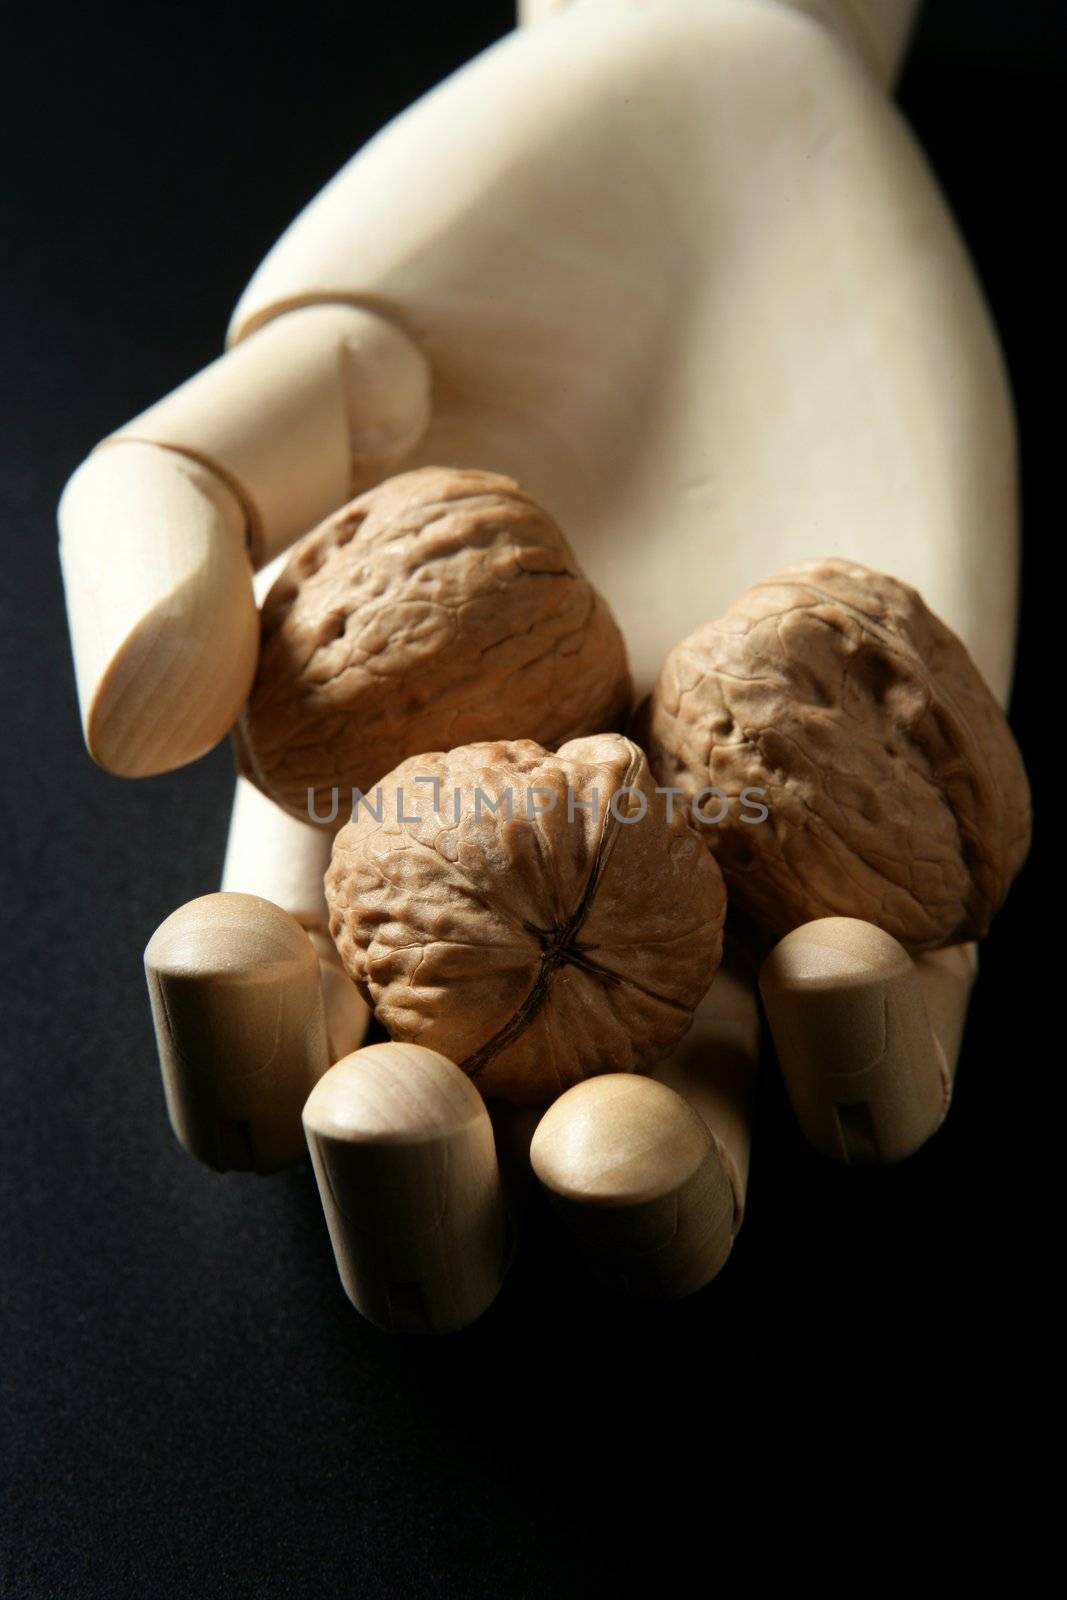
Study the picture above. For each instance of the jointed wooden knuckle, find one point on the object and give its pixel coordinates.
(160, 526)
(237, 1004)
(300, 416)
(867, 1038)
(403, 1152)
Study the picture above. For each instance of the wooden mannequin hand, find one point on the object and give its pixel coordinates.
(677, 267)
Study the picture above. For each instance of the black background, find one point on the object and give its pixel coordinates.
(190, 1405)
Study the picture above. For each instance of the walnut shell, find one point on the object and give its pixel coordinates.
(442, 607)
(532, 952)
(895, 790)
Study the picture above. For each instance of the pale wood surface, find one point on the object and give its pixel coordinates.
(868, 1068)
(403, 1151)
(946, 978)
(638, 1180)
(299, 420)
(528, 12)
(878, 30)
(347, 1013)
(650, 1174)
(681, 269)
(276, 856)
(714, 1070)
(159, 525)
(240, 1027)
(162, 622)
(281, 859)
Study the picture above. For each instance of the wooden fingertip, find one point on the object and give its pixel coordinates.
(868, 1072)
(403, 1152)
(161, 525)
(639, 1182)
(163, 624)
(240, 1026)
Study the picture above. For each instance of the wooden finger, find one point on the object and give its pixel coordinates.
(163, 626)
(946, 978)
(714, 1070)
(160, 526)
(315, 406)
(274, 855)
(347, 1013)
(403, 1152)
(240, 1026)
(640, 1183)
(867, 1065)
(278, 858)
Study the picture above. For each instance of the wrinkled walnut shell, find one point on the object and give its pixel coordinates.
(442, 607)
(533, 953)
(896, 792)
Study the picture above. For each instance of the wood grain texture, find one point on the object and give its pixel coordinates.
(867, 1064)
(639, 1182)
(158, 527)
(403, 1152)
(162, 621)
(300, 418)
(238, 1012)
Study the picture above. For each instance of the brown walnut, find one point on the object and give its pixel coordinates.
(895, 790)
(534, 951)
(442, 607)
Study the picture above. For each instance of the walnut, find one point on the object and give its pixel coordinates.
(572, 937)
(894, 788)
(442, 607)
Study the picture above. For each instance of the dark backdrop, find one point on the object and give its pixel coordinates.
(190, 1405)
